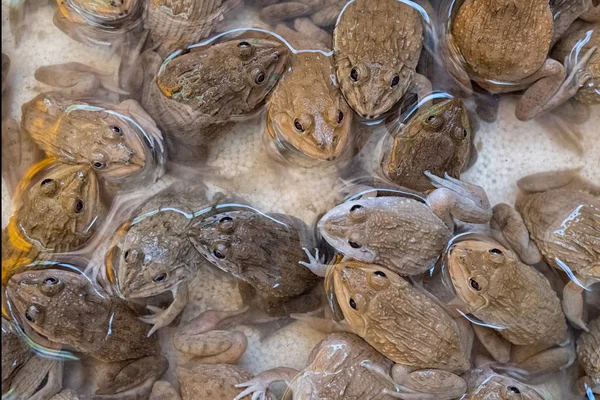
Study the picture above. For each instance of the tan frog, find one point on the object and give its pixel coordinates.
(307, 110)
(66, 308)
(405, 234)
(557, 218)
(588, 354)
(376, 62)
(486, 384)
(515, 304)
(438, 140)
(262, 250)
(340, 363)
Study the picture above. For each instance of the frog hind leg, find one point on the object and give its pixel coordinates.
(562, 179)
(136, 377)
(160, 317)
(497, 346)
(573, 302)
(547, 80)
(508, 227)
(549, 359)
(163, 390)
(454, 198)
(33, 373)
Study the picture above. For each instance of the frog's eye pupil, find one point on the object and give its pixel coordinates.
(79, 206)
(495, 251)
(260, 78)
(352, 303)
(463, 131)
(46, 181)
(126, 254)
(340, 117)
(28, 316)
(354, 245)
(218, 254)
(380, 274)
(431, 118)
(355, 207)
(160, 277)
(243, 44)
(50, 281)
(98, 165)
(225, 219)
(395, 80)
(474, 284)
(116, 130)
(514, 390)
(354, 75)
(298, 126)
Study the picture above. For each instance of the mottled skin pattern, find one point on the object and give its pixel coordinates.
(500, 290)
(56, 210)
(436, 140)
(377, 45)
(307, 110)
(208, 382)
(485, 384)
(588, 354)
(258, 250)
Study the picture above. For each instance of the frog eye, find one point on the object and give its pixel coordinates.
(513, 390)
(116, 130)
(434, 122)
(380, 274)
(379, 280)
(395, 80)
(474, 284)
(48, 186)
(34, 314)
(131, 255)
(98, 165)
(460, 133)
(354, 245)
(340, 117)
(245, 49)
(354, 74)
(225, 225)
(358, 212)
(258, 76)
(352, 303)
(298, 126)
(78, 206)
(160, 277)
(220, 251)
(495, 251)
(51, 286)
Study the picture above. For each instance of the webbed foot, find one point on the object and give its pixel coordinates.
(315, 264)
(259, 385)
(160, 317)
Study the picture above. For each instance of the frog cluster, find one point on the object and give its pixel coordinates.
(414, 304)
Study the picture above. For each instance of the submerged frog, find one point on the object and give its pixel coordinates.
(377, 45)
(438, 140)
(340, 363)
(57, 209)
(196, 92)
(263, 251)
(404, 234)
(485, 384)
(515, 299)
(588, 353)
(68, 309)
(557, 218)
(307, 110)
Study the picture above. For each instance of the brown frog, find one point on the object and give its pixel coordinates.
(340, 363)
(588, 354)
(376, 62)
(66, 308)
(515, 304)
(405, 234)
(557, 218)
(438, 140)
(486, 384)
(58, 208)
(307, 110)
(263, 251)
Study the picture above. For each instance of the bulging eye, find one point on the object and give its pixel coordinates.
(340, 117)
(298, 126)
(434, 122)
(48, 186)
(46, 181)
(352, 303)
(51, 286)
(245, 50)
(131, 255)
(380, 274)
(513, 390)
(220, 251)
(354, 245)
(379, 280)
(495, 251)
(395, 80)
(358, 212)
(98, 165)
(225, 225)
(78, 206)
(34, 314)
(354, 74)
(160, 277)
(355, 207)
(218, 254)
(116, 130)
(474, 284)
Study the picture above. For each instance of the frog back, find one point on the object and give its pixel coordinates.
(565, 225)
(588, 350)
(503, 40)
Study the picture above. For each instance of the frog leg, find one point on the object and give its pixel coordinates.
(546, 81)
(33, 373)
(199, 338)
(573, 302)
(163, 390)
(564, 179)
(454, 198)
(259, 385)
(162, 317)
(496, 345)
(537, 360)
(508, 227)
(409, 384)
(325, 325)
(592, 14)
(315, 263)
(134, 379)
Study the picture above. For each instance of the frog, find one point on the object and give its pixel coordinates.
(406, 234)
(565, 13)
(241, 242)
(24, 373)
(66, 308)
(557, 219)
(5, 69)
(515, 303)
(307, 111)
(176, 24)
(516, 59)
(374, 72)
(277, 11)
(58, 208)
(152, 252)
(588, 354)
(439, 140)
(485, 384)
(340, 363)
(405, 324)
(195, 92)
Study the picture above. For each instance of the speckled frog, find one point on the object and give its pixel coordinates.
(485, 384)
(66, 308)
(438, 140)
(405, 234)
(588, 353)
(557, 218)
(377, 45)
(515, 304)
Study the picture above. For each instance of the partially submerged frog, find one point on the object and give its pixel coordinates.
(307, 110)
(404, 234)
(588, 354)
(66, 308)
(264, 251)
(557, 218)
(486, 384)
(438, 140)
(376, 62)
(340, 363)
(515, 304)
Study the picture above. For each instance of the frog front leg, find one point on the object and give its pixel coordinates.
(546, 81)
(573, 301)
(536, 360)
(258, 386)
(508, 227)
(201, 340)
(133, 379)
(161, 317)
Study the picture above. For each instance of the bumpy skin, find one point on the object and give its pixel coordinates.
(196, 93)
(583, 37)
(67, 308)
(258, 250)
(401, 322)
(400, 233)
(436, 140)
(57, 210)
(208, 382)
(588, 354)
(307, 110)
(384, 54)
(500, 290)
(5, 68)
(504, 40)
(485, 384)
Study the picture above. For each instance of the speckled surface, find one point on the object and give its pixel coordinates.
(508, 150)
